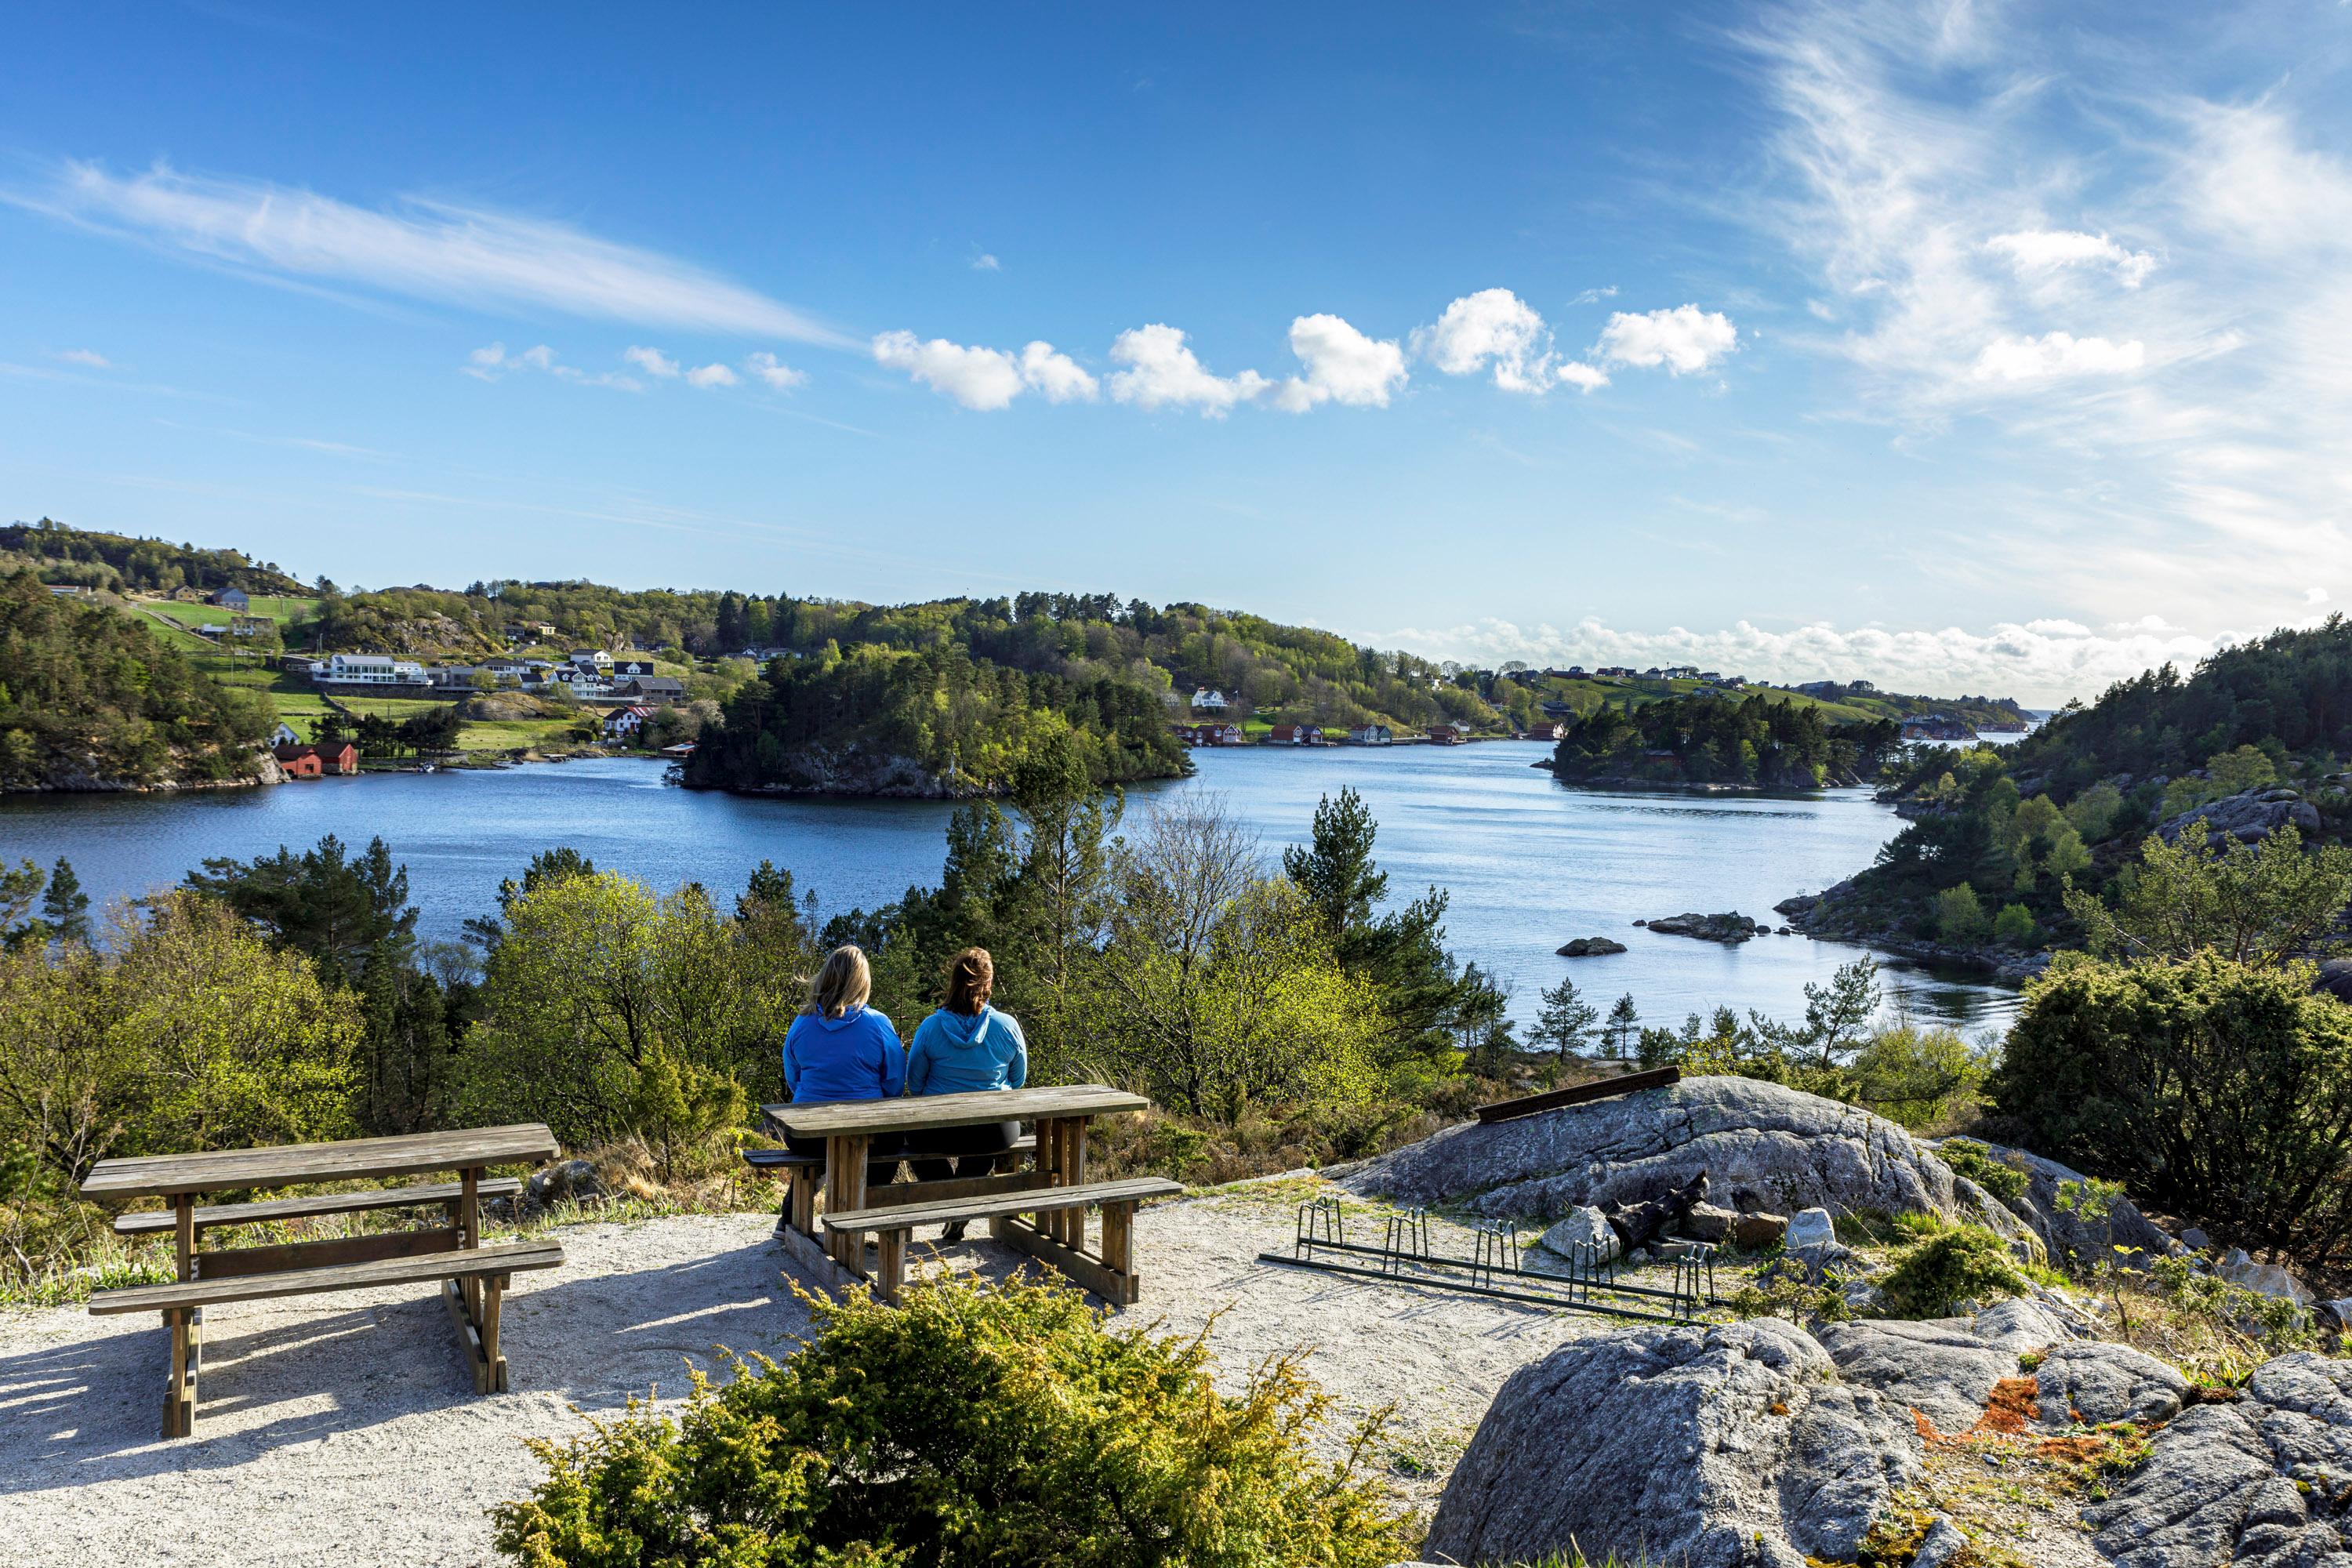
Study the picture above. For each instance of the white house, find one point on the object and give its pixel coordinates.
(1209, 701)
(369, 669)
(1370, 735)
(284, 735)
(623, 723)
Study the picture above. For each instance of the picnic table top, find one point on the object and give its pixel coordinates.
(861, 1118)
(357, 1159)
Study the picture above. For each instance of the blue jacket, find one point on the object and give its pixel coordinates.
(955, 1053)
(855, 1056)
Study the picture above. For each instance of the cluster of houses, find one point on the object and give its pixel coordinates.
(1220, 734)
(589, 675)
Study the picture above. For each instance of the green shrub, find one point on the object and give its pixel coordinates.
(978, 1424)
(1960, 915)
(2014, 925)
(1963, 1263)
(1973, 1159)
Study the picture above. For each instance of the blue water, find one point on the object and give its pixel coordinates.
(1530, 863)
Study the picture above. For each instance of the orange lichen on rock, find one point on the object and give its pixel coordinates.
(2013, 1406)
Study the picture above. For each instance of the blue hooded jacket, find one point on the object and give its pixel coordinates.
(855, 1056)
(955, 1053)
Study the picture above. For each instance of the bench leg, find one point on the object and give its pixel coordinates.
(477, 1336)
(803, 1199)
(844, 1191)
(494, 1365)
(185, 1326)
(1119, 1247)
(890, 1270)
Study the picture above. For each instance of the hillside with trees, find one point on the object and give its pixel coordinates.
(2004, 847)
(88, 700)
(1752, 742)
(120, 564)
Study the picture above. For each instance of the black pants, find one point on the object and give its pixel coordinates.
(881, 1156)
(974, 1150)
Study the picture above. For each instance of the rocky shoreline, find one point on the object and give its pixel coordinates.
(1817, 915)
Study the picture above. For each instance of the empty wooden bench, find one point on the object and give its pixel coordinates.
(183, 1304)
(474, 1276)
(1109, 1272)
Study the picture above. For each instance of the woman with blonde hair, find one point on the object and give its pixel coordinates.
(967, 1048)
(839, 1048)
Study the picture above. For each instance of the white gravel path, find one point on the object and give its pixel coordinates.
(343, 1430)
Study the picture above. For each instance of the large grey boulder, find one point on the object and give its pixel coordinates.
(2094, 1381)
(1583, 1235)
(2249, 817)
(2064, 1231)
(2265, 1278)
(1941, 1369)
(2265, 1482)
(1733, 1446)
(1763, 1146)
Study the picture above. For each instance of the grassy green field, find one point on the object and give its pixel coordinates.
(513, 734)
(283, 611)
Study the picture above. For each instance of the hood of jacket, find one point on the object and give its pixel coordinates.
(848, 1017)
(966, 1029)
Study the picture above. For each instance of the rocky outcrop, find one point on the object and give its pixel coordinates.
(1733, 1446)
(1837, 915)
(2264, 1482)
(1944, 1369)
(2248, 817)
(1730, 927)
(1763, 1147)
(1590, 947)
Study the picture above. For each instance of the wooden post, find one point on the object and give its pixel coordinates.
(890, 1270)
(469, 1232)
(178, 1412)
(801, 1181)
(845, 1166)
(1119, 1247)
(1074, 1168)
(183, 1213)
(492, 1372)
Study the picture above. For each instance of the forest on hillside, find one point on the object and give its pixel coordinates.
(1762, 742)
(120, 564)
(89, 698)
(2005, 838)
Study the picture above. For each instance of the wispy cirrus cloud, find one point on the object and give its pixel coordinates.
(419, 246)
(89, 357)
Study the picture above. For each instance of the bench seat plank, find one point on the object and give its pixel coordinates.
(506, 1258)
(901, 1216)
(160, 1221)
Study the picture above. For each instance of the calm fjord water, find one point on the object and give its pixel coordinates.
(1529, 864)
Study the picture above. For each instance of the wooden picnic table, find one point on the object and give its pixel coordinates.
(474, 1276)
(1022, 1206)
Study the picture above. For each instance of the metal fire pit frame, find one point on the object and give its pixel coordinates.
(1406, 1256)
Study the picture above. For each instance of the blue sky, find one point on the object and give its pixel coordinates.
(1962, 346)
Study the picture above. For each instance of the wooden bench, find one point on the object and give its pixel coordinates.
(183, 1304)
(1109, 1272)
(804, 1174)
(474, 1277)
(419, 1195)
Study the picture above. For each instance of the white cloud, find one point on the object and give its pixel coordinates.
(424, 248)
(1055, 375)
(1495, 327)
(2314, 596)
(1594, 295)
(711, 375)
(1162, 372)
(493, 361)
(2042, 663)
(2050, 249)
(2056, 353)
(1685, 339)
(985, 262)
(1343, 366)
(779, 375)
(653, 362)
(89, 357)
(975, 378)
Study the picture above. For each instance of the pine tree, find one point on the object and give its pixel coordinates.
(1623, 1022)
(66, 907)
(1567, 1020)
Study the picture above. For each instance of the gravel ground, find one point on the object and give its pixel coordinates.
(343, 1430)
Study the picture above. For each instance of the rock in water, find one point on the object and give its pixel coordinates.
(1590, 947)
(1726, 928)
(2258, 1484)
(1764, 1146)
(1583, 1226)
(1733, 1446)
